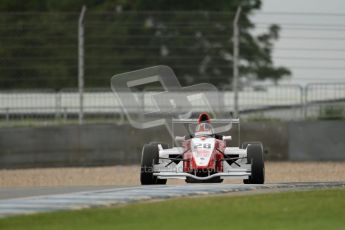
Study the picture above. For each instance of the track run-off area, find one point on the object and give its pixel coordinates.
(102, 197)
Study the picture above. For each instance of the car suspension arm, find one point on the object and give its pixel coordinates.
(230, 158)
(176, 159)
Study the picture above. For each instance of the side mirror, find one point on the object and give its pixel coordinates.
(227, 138)
(179, 139)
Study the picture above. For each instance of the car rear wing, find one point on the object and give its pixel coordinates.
(227, 122)
(212, 121)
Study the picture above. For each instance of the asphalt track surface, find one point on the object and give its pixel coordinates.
(29, 201)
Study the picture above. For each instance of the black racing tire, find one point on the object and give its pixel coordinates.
(255, 157)
(149, 157)
(245, 144)
(164, 146)
(161, 181)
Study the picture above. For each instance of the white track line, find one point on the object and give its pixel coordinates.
(107, 197)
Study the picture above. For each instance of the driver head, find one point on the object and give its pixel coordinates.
(203, 129)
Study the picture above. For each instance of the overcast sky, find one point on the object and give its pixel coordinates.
(311, 45)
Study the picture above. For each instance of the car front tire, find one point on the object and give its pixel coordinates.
(255, 157)
(149, 157)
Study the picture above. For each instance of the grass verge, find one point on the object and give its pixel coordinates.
(319, 209)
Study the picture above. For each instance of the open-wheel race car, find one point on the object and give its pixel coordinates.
(202, 155)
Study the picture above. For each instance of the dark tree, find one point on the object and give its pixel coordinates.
(194, 37)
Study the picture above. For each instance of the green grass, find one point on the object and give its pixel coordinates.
(321, 209)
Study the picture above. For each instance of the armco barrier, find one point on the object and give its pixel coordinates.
(73, 145)
(317, 141)
(98, 145)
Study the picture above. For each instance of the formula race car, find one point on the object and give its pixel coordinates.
(203, 155)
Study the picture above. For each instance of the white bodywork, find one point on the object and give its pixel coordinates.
(176, 170)
(202, 149)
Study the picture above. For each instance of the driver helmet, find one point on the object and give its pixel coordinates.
(203, 129)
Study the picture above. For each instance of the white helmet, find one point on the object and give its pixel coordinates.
(203, 129)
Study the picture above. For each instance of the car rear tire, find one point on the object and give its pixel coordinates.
(149, 157)
(245, 144)
(164, 146)
(255, 157)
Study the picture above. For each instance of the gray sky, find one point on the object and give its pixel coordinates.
(303, 34)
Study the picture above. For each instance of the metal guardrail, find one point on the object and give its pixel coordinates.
(325, 101)
(287, 102)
